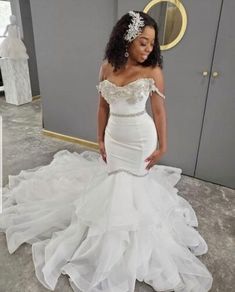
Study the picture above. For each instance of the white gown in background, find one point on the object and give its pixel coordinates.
(12, 46)
(106, 225)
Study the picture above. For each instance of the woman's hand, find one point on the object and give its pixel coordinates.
(102, 150)
(154, 157)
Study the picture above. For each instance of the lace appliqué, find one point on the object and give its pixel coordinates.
(153, 87)
(131, 93)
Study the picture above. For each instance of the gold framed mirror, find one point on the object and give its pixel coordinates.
(171, 18)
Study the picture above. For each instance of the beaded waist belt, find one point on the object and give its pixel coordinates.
(128, 115)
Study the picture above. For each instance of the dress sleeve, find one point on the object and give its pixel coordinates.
(153, 88)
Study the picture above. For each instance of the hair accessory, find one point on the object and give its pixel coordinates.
(134, 28)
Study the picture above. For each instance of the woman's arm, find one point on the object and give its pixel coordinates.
(159, 117)
(159, 110)
(103, 115)
(103, 110)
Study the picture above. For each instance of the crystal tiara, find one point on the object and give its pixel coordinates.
(134, 28)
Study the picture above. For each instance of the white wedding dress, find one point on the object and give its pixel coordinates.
(106, 225)
(12, 46)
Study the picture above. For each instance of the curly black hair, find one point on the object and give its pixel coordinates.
(116, 46)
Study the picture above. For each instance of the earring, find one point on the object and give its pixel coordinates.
(126, 54)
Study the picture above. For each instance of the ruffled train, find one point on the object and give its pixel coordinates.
(105, 231)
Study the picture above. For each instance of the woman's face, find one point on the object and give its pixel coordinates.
(142, 45)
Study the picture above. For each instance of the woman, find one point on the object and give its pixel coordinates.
(139, 60)
(108, 220)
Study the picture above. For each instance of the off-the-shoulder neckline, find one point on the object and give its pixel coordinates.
(138, 79)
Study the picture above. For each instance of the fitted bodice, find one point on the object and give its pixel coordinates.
(130, 98)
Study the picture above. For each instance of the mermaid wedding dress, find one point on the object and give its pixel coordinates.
(107, 224)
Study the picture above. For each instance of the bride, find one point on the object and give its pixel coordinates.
(106, 219)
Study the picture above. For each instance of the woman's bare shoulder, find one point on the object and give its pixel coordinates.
(105, 69)
(155, 71)
(157, 74)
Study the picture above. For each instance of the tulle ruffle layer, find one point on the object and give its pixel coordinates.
(105, 231)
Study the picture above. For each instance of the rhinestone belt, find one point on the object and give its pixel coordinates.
(128, 115)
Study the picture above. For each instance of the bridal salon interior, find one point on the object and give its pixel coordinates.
(49, 102)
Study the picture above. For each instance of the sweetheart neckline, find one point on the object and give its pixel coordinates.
(138, 79)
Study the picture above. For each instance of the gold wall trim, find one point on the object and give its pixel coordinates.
(180, 6)
(36, 97)
(72, 139)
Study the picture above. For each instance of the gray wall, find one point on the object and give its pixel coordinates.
(70, 37)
